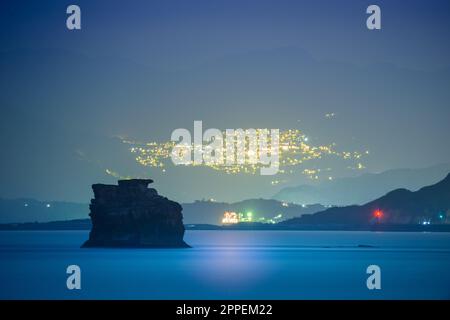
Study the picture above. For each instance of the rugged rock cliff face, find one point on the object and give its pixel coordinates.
(132, 215)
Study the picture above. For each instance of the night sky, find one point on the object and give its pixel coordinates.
(138, 70)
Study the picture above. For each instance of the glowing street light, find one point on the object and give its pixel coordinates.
(378, 214)
(230, 218)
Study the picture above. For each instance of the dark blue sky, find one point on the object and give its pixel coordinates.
(144, 68)
(168, 34)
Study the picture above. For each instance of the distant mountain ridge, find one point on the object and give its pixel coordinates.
(198, 212)
(361, 189)
(31, 210)
(210, 212)
(246, 84)
(428, 205)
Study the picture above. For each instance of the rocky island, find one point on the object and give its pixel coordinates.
(132, 215)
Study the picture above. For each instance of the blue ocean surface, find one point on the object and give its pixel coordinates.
(230, 265)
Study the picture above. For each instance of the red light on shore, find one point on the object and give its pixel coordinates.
(378, 214)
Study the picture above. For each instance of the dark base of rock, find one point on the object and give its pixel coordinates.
(124, 245)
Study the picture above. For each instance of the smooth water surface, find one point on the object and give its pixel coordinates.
(229, 265)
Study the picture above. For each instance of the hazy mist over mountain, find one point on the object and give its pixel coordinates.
(142, 71)
(364, 188)
(428, 205)
(69, 136)
(290, 202)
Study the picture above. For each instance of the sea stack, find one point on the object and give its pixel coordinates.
(132, 215)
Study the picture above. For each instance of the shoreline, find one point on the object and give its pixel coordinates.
(84, 224)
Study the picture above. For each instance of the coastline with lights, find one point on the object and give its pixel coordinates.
(392, 212)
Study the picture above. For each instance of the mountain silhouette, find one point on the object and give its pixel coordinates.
(362, 189)
(31, 210)
(198, 212)
(118, 97)
(430, 204)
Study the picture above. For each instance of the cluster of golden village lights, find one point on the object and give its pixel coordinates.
(294, 151)
(231, 217)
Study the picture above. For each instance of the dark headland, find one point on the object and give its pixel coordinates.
(132, 215)
(427, 206)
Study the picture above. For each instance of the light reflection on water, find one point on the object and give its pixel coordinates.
(230, 264)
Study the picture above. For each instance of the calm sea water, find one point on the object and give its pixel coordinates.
(229, 264)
